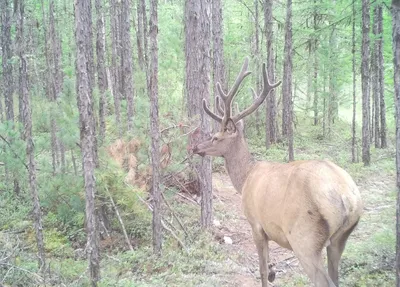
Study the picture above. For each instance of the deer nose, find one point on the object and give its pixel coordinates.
(196, 151)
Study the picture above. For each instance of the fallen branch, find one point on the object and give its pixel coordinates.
(174, 215)
(120, 221)
(163, 224)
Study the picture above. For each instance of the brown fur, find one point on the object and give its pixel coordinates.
(303, 205)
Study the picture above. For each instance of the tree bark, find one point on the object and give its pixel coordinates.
(139, 35)
(271, 122)
(101, 66)
(27, 136)
(114, 16)
(381, 85)
(365, 83)
(126, 61)
(218, 48)
(375, 130)
(287, 81)
(353, 122)
(87, 133)
(197, 47)
(154, 128)
(257, 59)
(8, 86)
(315, 76)
(396, 63)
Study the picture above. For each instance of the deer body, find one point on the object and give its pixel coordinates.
(304, 206)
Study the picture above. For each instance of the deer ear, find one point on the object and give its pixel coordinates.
(240, 125)
(230, 127)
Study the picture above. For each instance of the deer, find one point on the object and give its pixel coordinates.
(304, 206)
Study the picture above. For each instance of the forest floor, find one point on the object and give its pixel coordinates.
(376, 189)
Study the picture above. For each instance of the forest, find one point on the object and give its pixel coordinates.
(105, 106)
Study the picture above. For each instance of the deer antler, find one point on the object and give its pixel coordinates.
(226, 109)
(268, 87)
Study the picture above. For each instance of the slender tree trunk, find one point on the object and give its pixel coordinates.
(139, 35)
(8, 81)
(381, 77)
(197, 47)
(271, 122)
(27, 136)
(8, 86)
(154, 128)
(315, 76)
(126, 61)
(257, 59)
(353, 122)
(145, 37)
(396, 62)
(287, 80)
(114, 16)
(365, 83)
(87, 133)
(101, 66)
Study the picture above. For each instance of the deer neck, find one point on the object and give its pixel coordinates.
(238, 163)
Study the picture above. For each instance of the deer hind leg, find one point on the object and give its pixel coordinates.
(307, 242)
(335, 251)
(261, 241)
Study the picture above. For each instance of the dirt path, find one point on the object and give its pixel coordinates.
(243, 251)
(374, 189)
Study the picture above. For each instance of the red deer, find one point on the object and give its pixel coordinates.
(303, 206)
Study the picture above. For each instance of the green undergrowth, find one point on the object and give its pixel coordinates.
(367, 261)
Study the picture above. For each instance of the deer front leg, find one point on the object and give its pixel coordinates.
(261, 241)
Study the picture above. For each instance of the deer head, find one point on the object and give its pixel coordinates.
(231, 126)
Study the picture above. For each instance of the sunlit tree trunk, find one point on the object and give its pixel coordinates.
(87, 133)
(365, 82)
(257, 59)
(197, 49)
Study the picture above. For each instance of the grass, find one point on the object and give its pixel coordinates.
(367, 261)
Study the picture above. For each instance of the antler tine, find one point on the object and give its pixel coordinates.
(227, 98)
(219, 108)
(268, 87)
(210, 113)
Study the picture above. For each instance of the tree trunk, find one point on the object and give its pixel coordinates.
(257, 59)
(139, 35)
(287, 81)
(145, 39)
(197, 47)
(126, 61)
(114, 16)
(27, 136)
(271, 122)
(101, 66)
(365, 83)
(315, 77)
(8, 87)
(154, 128)
(396, 62)
(381, 82)
(87, 133)
(353, 122)
(218, 49)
